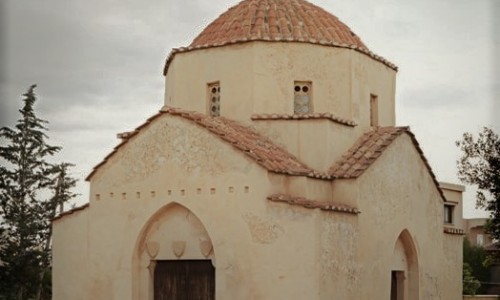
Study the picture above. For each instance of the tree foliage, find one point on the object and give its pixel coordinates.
(474, 260)
(479, 165)
(470, 283)
(31, 188)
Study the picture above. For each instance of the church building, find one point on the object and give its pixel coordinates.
(273, 170)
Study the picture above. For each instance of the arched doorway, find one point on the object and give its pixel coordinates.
(174, 257)
(404, 269)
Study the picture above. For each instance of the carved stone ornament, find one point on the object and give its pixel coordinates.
(151, 267)
(206, 248)
(179, 247)
(152, 249)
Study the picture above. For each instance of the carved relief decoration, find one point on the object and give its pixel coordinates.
(263, 231)
(178, 247)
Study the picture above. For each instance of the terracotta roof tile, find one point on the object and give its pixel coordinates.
(277, 20)
(326, 116)
(456, 231)
(365, 151)
(323, 205)
(276, 159)
(368, 148)
(255, 146)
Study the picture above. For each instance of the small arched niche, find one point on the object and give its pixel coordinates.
(404, 269)
(173, 242)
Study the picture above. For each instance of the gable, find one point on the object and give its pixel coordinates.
(369, 147)
(192, 139)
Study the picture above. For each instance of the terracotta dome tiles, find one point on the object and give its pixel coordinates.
(293, 20)
(277, 21)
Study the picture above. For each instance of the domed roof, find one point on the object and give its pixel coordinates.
(277, 20)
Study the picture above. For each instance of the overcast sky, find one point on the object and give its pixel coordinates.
(98, 65)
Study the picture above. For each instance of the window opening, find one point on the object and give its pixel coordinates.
(479, 240)
(302, 97)
(373, 110)
(448, 214)
(214, 99)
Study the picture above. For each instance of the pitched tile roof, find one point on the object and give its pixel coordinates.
(365, 151)
(276, 159)
(323, 205)
(277, 21)
(368, 148)
(326, 116)
(255, 146)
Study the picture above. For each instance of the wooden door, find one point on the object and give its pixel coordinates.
(184, 280)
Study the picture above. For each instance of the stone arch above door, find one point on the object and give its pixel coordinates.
(174, 232)
(405, 268)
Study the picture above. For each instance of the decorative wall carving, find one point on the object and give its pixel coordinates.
(178, 247)
(263, 231)
(206, 248)
(152, 249)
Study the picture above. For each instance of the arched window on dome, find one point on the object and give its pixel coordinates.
(213, 93)
(302, 101)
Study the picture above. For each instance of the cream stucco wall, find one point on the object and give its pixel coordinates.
(396, 194)
(453, 195)
(258, 77)
(218, 185)
(261, 249)
(70, 256)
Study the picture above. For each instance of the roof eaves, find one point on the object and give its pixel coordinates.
(312, 204)
(366, 52)
(426, 162)
(311, 116)
(454, 231)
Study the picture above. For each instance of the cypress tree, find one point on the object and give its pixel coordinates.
(31, 187)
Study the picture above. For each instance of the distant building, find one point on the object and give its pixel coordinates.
(475, 232)
(275, 170)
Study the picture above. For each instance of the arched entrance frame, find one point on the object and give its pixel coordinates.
(407, 276)
(189, 241)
